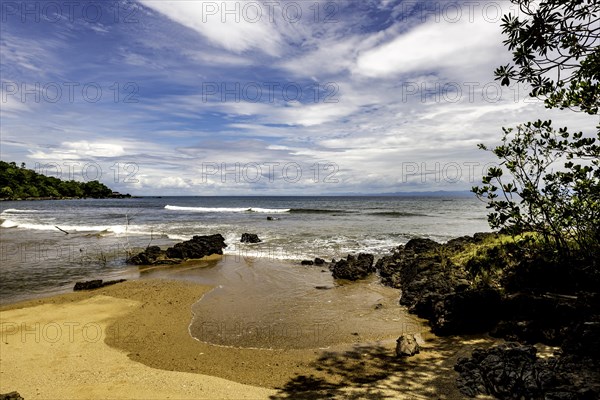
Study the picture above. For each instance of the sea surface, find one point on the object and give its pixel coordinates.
(46, 246)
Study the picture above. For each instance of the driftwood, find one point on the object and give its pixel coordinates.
(62, 230)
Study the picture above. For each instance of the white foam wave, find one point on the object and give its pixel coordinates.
(228, 209)
(19, 211)
(117, 230)
(8, 224)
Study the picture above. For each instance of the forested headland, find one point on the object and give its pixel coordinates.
(21, 183)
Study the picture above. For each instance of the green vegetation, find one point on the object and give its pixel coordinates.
(554, 185)
(22, 183)
(555, 50)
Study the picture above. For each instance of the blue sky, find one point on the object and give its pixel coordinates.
(190, 97)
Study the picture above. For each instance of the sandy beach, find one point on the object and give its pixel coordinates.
(131, 340)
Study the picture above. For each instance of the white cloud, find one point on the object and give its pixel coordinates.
(237, 31)
(433, 46)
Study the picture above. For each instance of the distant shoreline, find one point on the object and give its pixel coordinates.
(119, 196)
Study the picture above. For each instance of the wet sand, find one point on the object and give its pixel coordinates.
(132, 340)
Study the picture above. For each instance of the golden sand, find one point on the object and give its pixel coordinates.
(131, 341)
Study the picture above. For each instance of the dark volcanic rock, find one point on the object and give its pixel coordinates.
(88, 285)
(95, 284)
(420, 245)
(149, 256)
(250, 238)
(513, 371)
(196, 247)
(435, 289)
(353, 268)
(11, 396)
(319, 261)
(307, 262)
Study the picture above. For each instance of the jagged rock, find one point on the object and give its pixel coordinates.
(319, 261)
(95, 284)
(353, 268)
(197, 247)
(435, 289)
(407, 345)
(11, 396)
(250, 238)
(307, 262)
(513, 371)
(148, 256)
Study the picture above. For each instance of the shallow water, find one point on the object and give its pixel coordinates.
(37, 258)
(258, 303)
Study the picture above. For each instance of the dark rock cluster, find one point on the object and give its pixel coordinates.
(316, 261)
(11, 396)
(513, 371)
(527, 310)
(353, 267)
(197, 247)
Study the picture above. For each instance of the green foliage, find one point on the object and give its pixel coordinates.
(562, 205)
(19, 183)
(555, 49)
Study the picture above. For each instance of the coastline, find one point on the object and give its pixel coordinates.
(145, 341)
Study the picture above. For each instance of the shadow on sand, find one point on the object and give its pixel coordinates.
(374, 372)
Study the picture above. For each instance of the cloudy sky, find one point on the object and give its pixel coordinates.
(183, 97)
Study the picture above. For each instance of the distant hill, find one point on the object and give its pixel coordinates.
(437, 193)
(19, 183)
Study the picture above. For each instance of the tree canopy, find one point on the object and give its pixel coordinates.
(20, 183)
(555, 48)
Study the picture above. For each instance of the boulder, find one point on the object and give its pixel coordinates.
(307, 262)
(354, 268)
(319, 261)
(407, 345)
(421, 245)
(250, 238)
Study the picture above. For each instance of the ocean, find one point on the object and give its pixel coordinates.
(38, 258)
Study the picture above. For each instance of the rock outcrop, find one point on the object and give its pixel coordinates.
(197, 247)
(433, 288)
(353, 268)
(513, 371)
